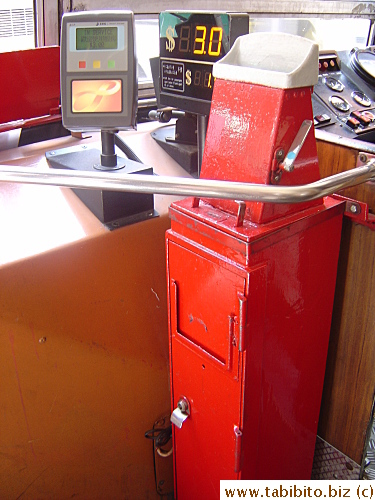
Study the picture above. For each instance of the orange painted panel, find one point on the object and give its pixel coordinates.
(83, 340)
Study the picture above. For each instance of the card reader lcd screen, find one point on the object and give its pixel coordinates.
(101, 38)
(96, 96)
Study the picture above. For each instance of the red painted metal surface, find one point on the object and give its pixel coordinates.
(250, 299)
(248, 125)
(30, 87)
(250, 311)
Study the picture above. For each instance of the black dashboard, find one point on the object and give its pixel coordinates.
(344, 97)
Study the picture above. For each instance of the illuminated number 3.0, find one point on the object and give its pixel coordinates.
(214, 46)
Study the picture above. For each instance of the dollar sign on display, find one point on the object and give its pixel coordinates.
(171, 43)
(188, 77)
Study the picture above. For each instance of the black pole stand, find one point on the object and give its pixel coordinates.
(113, 208)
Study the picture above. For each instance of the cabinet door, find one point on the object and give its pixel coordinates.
(207, 319)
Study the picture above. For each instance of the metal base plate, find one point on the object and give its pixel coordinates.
(85, 158)
(329, 463)
(368, 465)
(185, 155)
(114, 209)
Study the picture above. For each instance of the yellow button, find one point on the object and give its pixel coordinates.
(96, 64)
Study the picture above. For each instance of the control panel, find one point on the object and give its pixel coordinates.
(343, 104)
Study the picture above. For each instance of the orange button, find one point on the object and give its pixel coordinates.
(96, 64)
(82, 64)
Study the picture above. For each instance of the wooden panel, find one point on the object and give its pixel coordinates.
(350, 379)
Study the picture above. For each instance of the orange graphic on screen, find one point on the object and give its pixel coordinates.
(96, 96)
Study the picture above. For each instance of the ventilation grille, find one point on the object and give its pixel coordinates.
(16, 22)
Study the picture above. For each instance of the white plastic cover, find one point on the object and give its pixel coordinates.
(277, 60)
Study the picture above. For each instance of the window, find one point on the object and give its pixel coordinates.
(147, 48)
(330, 34)
(147, 45)
(16, 25)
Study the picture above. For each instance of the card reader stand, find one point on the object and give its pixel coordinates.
(99, 92)
(113, 208)
(180, 140)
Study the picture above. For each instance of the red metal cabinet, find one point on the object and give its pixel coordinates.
(250, 311)
(203, 327)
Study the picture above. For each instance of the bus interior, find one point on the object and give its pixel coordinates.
(187, 276)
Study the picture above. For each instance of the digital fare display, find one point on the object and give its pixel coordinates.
(96, 96)
(97, 38)
(189, 45)
(200, 37)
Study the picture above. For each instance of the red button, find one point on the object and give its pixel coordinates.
(352, 122)
(82, 64)
(363, 119)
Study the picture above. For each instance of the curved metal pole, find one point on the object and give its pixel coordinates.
(204, 188)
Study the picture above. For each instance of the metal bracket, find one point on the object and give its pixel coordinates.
(195, 202)
(276, 171)
(237, 449)
(240, 213)
(242, 321)
(357, 210)
(363, 158)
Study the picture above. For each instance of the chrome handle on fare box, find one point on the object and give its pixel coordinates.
(288, 163)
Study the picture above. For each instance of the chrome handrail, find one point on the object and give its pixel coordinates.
(204, 188)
